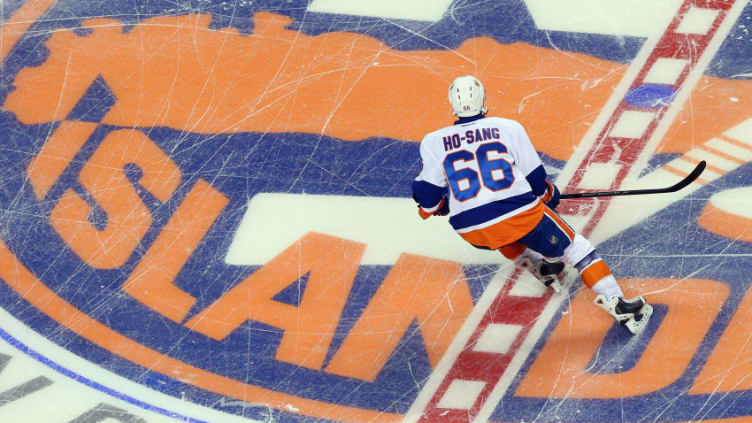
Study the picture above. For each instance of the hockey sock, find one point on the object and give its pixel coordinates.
(597, 276)
(608, 287)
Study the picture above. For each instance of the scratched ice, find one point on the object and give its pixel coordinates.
(205, 211)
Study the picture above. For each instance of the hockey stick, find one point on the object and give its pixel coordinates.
(673, 188)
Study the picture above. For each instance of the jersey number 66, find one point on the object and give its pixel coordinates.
(495, 174)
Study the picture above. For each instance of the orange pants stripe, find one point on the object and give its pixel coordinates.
(560, 223)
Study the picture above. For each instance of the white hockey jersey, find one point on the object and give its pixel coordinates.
(485, 165)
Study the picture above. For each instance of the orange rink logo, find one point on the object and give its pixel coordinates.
(223, 203)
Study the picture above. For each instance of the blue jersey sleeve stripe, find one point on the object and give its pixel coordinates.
(537, 180)
(427, 194)
(490, 211)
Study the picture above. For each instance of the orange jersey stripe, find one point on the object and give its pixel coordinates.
(507, 231)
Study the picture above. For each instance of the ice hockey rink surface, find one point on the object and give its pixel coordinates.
(205, 212)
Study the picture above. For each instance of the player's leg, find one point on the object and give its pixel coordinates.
(553, 237)
(552, 273)
(501, 236)
(633, 313)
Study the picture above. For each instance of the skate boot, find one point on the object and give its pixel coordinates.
(634, 313)
(555, 274)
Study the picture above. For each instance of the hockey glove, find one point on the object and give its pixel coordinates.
(444, 209)
(551, 198)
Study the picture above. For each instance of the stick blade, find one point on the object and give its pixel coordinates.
(696, 172)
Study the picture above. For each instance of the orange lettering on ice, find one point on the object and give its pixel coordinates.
(25, 284)
(561, 369)
(308, 328)
(45, 169)
(726, 223)
(432, 292)
(152, 280)
(729, 366)
(128, 219)
(14, 27)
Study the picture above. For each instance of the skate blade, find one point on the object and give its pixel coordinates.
(556, 286)
(637, 326)
(570, 275)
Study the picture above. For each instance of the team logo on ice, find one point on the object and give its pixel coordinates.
(220, 211)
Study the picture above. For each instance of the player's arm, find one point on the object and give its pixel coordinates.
(530, 164)
(430, 187)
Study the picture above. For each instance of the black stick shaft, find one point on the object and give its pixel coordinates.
(673, 188)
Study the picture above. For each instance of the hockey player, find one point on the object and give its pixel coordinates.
(485, 173)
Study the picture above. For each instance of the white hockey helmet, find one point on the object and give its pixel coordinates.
(467, 96)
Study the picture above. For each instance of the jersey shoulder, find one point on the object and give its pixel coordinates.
(432, 142)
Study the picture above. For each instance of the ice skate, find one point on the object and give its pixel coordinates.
(634, 314)
(557, 274)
